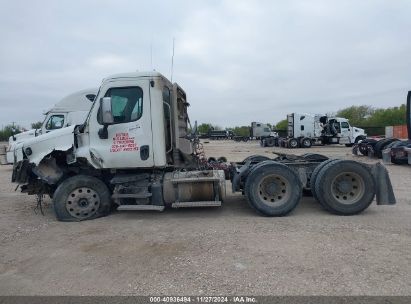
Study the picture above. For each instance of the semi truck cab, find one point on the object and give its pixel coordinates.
(135, 152)
(71, 110)
(346, 133)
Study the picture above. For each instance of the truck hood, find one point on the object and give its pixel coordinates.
(23, 135)
(41, 146)
(358, 131)
(18, 138)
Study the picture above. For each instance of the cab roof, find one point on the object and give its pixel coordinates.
(136, 75)
(77, 101)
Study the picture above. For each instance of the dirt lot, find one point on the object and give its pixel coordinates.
(227, 250)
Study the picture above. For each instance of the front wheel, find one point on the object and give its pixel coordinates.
(273, 189)
(80, 198)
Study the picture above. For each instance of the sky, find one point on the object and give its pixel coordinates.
(238, 61)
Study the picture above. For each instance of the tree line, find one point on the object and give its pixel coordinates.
(359, 116)
(12, 129)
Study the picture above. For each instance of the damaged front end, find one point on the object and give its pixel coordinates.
(36, 167)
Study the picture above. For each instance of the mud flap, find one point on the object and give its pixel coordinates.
(384, 192)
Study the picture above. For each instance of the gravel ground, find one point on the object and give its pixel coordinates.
(228, 250)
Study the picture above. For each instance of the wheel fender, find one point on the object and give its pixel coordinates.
(384, 191)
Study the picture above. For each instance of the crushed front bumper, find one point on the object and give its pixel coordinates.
(21, 172)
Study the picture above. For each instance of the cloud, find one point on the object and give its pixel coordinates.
(107, 61)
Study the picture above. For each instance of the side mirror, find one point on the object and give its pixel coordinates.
(106, 111)
(106, 116)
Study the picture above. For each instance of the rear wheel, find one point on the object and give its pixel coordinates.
(345, 187)
(293, 143)
(314, 175)
(273, 189)
(80, 198)
(306, 142)
(269, 142)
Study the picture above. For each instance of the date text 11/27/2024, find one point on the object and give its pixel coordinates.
(203, 299)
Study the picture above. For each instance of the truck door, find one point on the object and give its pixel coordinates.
(345, 131)
(129, 143)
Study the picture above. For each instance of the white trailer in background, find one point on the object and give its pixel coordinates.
(71, 110)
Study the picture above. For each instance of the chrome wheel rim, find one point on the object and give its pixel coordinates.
(82, 203)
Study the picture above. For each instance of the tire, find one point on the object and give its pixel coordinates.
(345, 187)
(397, 144)
(363, 146)
(273, 189)
(80, 198)
(314, 175)
(212, 160)
(306, 142)
(222, 159)
(269, 142)
(363, 149)
(293, 143)
(256, 158)
(381, 145)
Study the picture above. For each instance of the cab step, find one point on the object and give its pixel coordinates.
(196, 204)
(140, 207)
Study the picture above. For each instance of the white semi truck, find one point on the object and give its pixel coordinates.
(134, 152)
(305, 130)
(261, 130)
(71, 110)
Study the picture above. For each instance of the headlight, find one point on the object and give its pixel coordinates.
(28, 151)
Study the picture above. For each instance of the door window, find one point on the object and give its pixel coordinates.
(55, 122)
(126, 104)
(344, 125)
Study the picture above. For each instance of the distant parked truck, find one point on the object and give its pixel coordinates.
(264, 133)
(305, 130)
(220, 134)
(71, 110)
